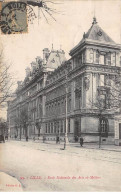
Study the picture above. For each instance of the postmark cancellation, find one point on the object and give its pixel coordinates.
(13, 17)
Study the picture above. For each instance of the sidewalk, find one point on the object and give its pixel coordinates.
(95, 146)
(103, 147)
(9, 183)
(106, 147)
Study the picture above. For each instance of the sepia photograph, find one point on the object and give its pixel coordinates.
(60, 96)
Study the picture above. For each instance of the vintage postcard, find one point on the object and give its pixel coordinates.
(60, 95)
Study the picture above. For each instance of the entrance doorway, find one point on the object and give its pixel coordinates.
(76, 131)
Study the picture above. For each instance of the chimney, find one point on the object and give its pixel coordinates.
(33, 65)
(38, 61)
(28, 71)
(19, 84)
(46, 54)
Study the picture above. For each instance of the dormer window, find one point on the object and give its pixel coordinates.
(99, 33)
(53, 60)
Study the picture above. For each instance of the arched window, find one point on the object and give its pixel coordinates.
(104, 127)
(46, 128)
(51, 127)
(61, 126)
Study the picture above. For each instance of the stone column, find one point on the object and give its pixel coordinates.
(71, 125)
(44, 80)
(43, 105)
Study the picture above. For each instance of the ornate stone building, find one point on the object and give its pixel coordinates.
(88, 75)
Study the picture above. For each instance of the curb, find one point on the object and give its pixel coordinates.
(73, 145)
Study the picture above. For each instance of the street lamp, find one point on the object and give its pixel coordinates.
(66, 142)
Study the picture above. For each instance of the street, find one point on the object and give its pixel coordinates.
(47, 167)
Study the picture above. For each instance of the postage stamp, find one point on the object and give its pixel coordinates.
(13, 17)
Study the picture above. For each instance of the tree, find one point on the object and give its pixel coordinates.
(3, 128)
(6, 81)
(115, 93)
(108, 100)
(22, 121)
(45, 7)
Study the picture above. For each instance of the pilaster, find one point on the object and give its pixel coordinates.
(72, 96)
(71, 125)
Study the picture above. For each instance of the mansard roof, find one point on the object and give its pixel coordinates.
(55, 59)
(94, 34)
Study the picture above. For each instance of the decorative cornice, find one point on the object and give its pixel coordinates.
(95, 43)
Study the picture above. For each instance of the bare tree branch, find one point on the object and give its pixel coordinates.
(6, 80)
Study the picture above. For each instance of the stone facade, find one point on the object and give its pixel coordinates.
(94, 63)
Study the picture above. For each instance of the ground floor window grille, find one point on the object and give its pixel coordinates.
(104, 126)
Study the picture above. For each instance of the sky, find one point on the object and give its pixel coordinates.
(74, 17)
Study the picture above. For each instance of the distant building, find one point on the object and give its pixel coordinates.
(95, 62)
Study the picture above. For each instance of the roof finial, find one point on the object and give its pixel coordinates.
(94, 20)
(52, 46)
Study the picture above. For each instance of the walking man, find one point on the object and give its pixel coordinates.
(81, 141)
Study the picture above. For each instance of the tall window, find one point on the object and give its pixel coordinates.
(83, 57)
(101, 59)
(58, 127)
(113, 59)
(91, 55)
(108, 59)
(51, 127)
(61, 126)
(102, 80)
(97, 57)
(104, 98)
(80, 59)
(103, 126)
(55, 127)
(46, 128)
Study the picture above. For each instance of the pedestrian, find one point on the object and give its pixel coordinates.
(81, 141)
(27, 138)
(57, 139)
(77, 138)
